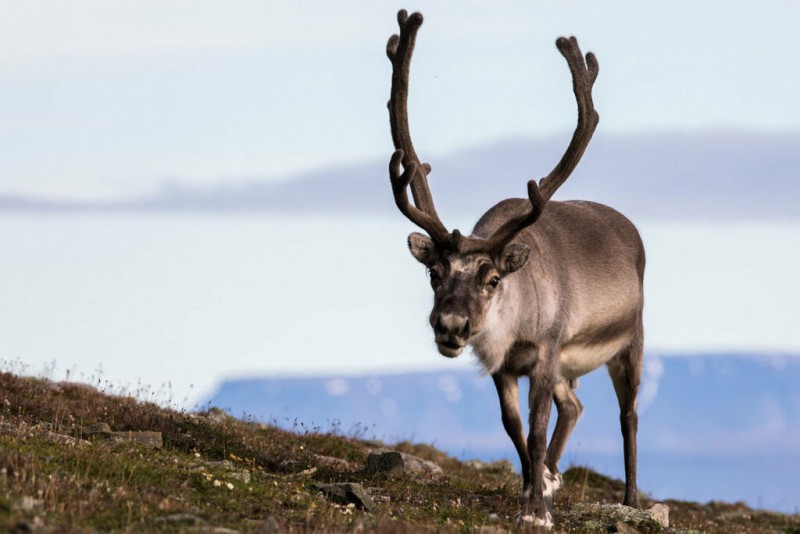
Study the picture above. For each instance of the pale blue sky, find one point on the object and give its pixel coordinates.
(110, 99)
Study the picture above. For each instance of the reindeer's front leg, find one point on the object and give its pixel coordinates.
(508, 391)
(540, 399)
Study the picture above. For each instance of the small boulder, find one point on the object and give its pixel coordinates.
(385, 463)
(333, 463)
(347, 493)
(153, 440)
(412, 463)
(97, 429)
(660, 514)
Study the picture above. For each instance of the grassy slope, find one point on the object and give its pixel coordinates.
(122, 486)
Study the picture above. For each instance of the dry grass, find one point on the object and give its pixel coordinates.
(196, 481)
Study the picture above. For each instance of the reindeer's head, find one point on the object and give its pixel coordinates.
(464, 283)
(466, 271)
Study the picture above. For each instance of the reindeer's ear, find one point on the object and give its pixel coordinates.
(422, 248)
(514, 257)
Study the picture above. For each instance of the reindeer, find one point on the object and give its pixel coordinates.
(544, 289)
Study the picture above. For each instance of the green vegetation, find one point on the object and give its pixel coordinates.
(218, 474)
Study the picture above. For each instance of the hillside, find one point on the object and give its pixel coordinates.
(73, 459)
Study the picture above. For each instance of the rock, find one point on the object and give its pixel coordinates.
(218, 416)
(413, 463)
(385, 463)
(610, 515)
(660, 514)
(624, 528)
(153, 440)
(347, 493)
(333, 463)
(97, 428)
(420, 465)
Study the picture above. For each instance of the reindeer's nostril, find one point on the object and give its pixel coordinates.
(438, 327)
(464, 333)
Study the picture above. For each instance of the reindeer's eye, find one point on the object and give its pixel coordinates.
(435, 278)
(494, 281)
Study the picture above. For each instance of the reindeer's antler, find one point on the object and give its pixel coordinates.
(583, 77)
(423, 212)
(399, 49)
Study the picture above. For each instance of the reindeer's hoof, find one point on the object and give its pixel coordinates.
(522, 520)
(552, 483)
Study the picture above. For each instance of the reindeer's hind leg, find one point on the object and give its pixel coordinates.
(625, 370)
(569, 410)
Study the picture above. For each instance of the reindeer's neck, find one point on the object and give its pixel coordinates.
(500, 330)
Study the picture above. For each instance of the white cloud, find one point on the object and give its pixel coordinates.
(448, 384)
(653, 370)
(337, 387)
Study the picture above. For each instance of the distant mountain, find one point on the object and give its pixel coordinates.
(709, 176)
(711, 427)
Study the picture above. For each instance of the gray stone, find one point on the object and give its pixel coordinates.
(415, 464)
(385, 463)
(420, 465)
(347, 493)
(153, 440)
(333, 463)
(219, 416)
(660, 514)
(612, 514)
(97, 429)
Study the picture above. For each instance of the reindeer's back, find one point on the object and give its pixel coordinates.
(585, 271)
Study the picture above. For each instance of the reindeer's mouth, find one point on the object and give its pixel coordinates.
(451, 349)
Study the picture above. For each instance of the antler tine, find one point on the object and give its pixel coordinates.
(399, 49)
(583, 77)
(400, 182)
(509, 230)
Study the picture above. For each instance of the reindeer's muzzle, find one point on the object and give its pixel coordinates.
(452, 333)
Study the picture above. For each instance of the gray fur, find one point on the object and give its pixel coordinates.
(575, 305)
(547, 290)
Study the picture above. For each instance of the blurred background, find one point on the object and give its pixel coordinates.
(195, 208)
